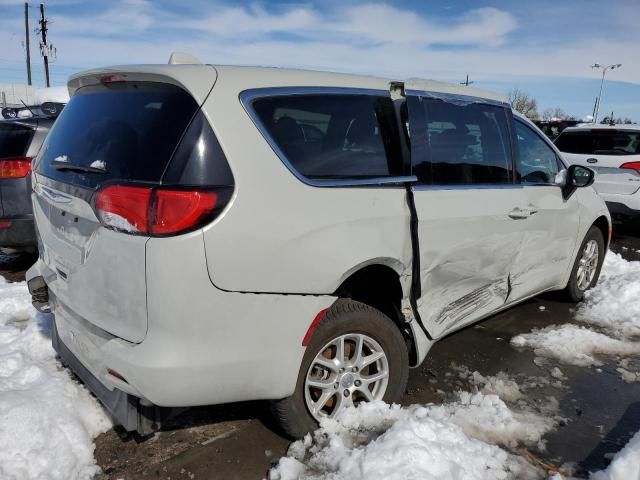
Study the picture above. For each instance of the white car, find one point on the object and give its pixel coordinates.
(613, 152)
(213, 234)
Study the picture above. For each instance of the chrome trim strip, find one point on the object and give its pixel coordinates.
(248, 96)
(54, 195)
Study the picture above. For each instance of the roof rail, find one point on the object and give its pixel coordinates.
(182, 58)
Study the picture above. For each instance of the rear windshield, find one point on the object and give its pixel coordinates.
(603, 142)
(14, 139)
(124, 131)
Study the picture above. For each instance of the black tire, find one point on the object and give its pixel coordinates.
(345, 317)
(572, 291)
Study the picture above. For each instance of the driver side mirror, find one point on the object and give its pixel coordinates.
(576, 176)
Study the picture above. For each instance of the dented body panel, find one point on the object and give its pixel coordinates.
(468, 245)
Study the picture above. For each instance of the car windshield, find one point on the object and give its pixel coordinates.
(600, 141)
(14, 139)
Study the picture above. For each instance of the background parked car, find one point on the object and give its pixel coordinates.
(20, 141)
(613, 152)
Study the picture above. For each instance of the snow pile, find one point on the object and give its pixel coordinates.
(500, 384)
(573, 344)
(613, 313)
(458, 440)
(51, 94)
(48, 420)
(613, 304)
(625, 465)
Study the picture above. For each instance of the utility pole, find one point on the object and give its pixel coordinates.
(43, 45)
(604, 71)
(466, 82)
(26, 41)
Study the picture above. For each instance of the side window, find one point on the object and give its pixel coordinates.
(334, 136)
(459, 143)
(538, 161)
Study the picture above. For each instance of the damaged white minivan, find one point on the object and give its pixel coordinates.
(213, 234)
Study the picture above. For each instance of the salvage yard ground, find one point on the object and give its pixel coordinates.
(544, 390)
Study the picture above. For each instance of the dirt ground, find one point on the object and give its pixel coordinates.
(239, 441)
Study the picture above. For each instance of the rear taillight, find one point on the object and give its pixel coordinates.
(631, 166)
(15, 167)
(177, 210)
(155, 211)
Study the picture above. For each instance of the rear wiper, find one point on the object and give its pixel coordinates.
(66, 166)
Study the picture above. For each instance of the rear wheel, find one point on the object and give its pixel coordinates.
(586, 268)
(356, 355)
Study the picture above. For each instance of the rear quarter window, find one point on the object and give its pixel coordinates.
(333, 136)
(14, 139)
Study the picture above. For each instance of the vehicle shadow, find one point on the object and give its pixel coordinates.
(184, 418)
(614, 440)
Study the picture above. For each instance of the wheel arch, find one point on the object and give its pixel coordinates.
(602, 223)
(382, 285)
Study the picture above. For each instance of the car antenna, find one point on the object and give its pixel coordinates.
(25, 105)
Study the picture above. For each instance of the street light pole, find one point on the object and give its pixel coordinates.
(604, 71)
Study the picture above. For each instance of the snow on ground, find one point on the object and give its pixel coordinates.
(48, 420)
(473, 436)
(449, 441)
(574, 344)
(625, 465)
(613, 304)
(611, 313)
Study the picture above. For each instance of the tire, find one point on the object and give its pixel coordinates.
(351, 321)
(577, 285)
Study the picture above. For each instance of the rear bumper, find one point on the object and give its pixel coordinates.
(19, 234)
(127, 410)
(203, 346)
(631, 202)
(621, 211)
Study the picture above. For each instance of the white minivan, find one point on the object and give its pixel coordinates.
(212, 234)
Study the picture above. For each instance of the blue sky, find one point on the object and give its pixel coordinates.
(543, 47)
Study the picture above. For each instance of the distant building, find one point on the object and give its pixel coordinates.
(13, 94)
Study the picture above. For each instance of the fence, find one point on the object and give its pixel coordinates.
(13, 94)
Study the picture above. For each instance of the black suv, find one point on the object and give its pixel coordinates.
(20, 141)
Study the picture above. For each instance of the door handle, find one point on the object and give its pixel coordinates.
(532, 209)
(519, 213)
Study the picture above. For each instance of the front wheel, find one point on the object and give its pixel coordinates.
(356, 355)
(586, 268)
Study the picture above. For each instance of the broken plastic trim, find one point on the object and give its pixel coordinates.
(39, 294)
(456, 99)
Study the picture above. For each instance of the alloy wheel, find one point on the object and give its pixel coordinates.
(348, 370)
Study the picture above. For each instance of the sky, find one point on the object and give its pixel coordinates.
(543, 47)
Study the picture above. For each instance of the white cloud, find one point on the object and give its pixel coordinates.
(373, 38)
(369, 23)
(125, 17)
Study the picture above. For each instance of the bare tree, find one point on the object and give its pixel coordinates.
(525, 104)
(557, 113)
